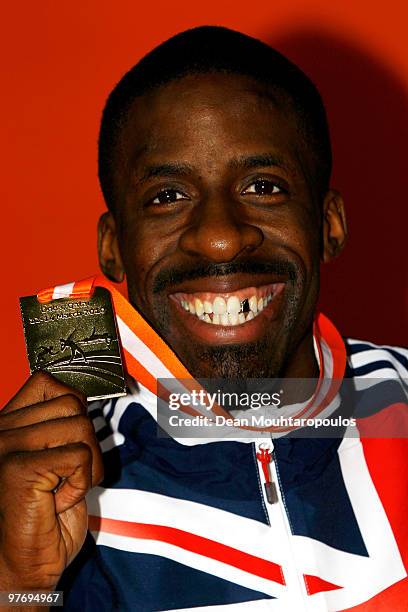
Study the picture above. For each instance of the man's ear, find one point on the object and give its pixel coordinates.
(334, 225)
(110, 260)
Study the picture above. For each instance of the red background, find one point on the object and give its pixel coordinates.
(59, 62)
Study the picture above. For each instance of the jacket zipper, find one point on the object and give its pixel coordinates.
(297, 594)
(265, 456)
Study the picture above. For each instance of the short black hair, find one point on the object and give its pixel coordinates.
(208, 49)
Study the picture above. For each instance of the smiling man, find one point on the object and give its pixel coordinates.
(214, 161)
(219, 194)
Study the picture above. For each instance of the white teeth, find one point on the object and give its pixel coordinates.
(224, 319)
(233, 319)
(199, 308)
(208, 307)
(226, 312)
(253, 304)
(233, 305)
(219, 306)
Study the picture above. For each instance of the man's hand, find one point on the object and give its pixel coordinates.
(49, 459)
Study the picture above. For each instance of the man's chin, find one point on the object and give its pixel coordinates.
(254, 355)
(249, 360)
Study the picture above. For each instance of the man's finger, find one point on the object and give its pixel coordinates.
(40, 387)
(53, 434)
(59, 407)
(26, 476)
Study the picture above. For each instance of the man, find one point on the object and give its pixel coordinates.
(214, 160)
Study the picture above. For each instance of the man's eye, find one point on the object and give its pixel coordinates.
(167, 196)
(263, 187)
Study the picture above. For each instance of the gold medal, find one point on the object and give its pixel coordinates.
(76, 340)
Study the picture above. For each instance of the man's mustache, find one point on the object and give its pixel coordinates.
(174, 276)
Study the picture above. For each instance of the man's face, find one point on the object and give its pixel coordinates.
(218, 226)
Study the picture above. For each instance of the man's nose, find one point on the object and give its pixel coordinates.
(219, 234)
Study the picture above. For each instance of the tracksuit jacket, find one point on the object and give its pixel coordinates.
(186, 524)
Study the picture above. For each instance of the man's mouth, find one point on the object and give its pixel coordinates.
(230, 309)
(234, 308)
(228, 306)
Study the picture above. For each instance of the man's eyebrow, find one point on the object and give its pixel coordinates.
(169, 169)
(176, 169)
(262, 160)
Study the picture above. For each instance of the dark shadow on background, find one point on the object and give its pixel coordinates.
(365, 290)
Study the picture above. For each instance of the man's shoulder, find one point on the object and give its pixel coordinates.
(366, 358)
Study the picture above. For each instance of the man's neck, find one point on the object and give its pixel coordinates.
(303, 362)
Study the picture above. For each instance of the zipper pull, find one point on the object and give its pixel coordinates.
(264, 456)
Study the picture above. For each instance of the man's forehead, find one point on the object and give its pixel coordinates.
(207, 96)
(205, 112)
